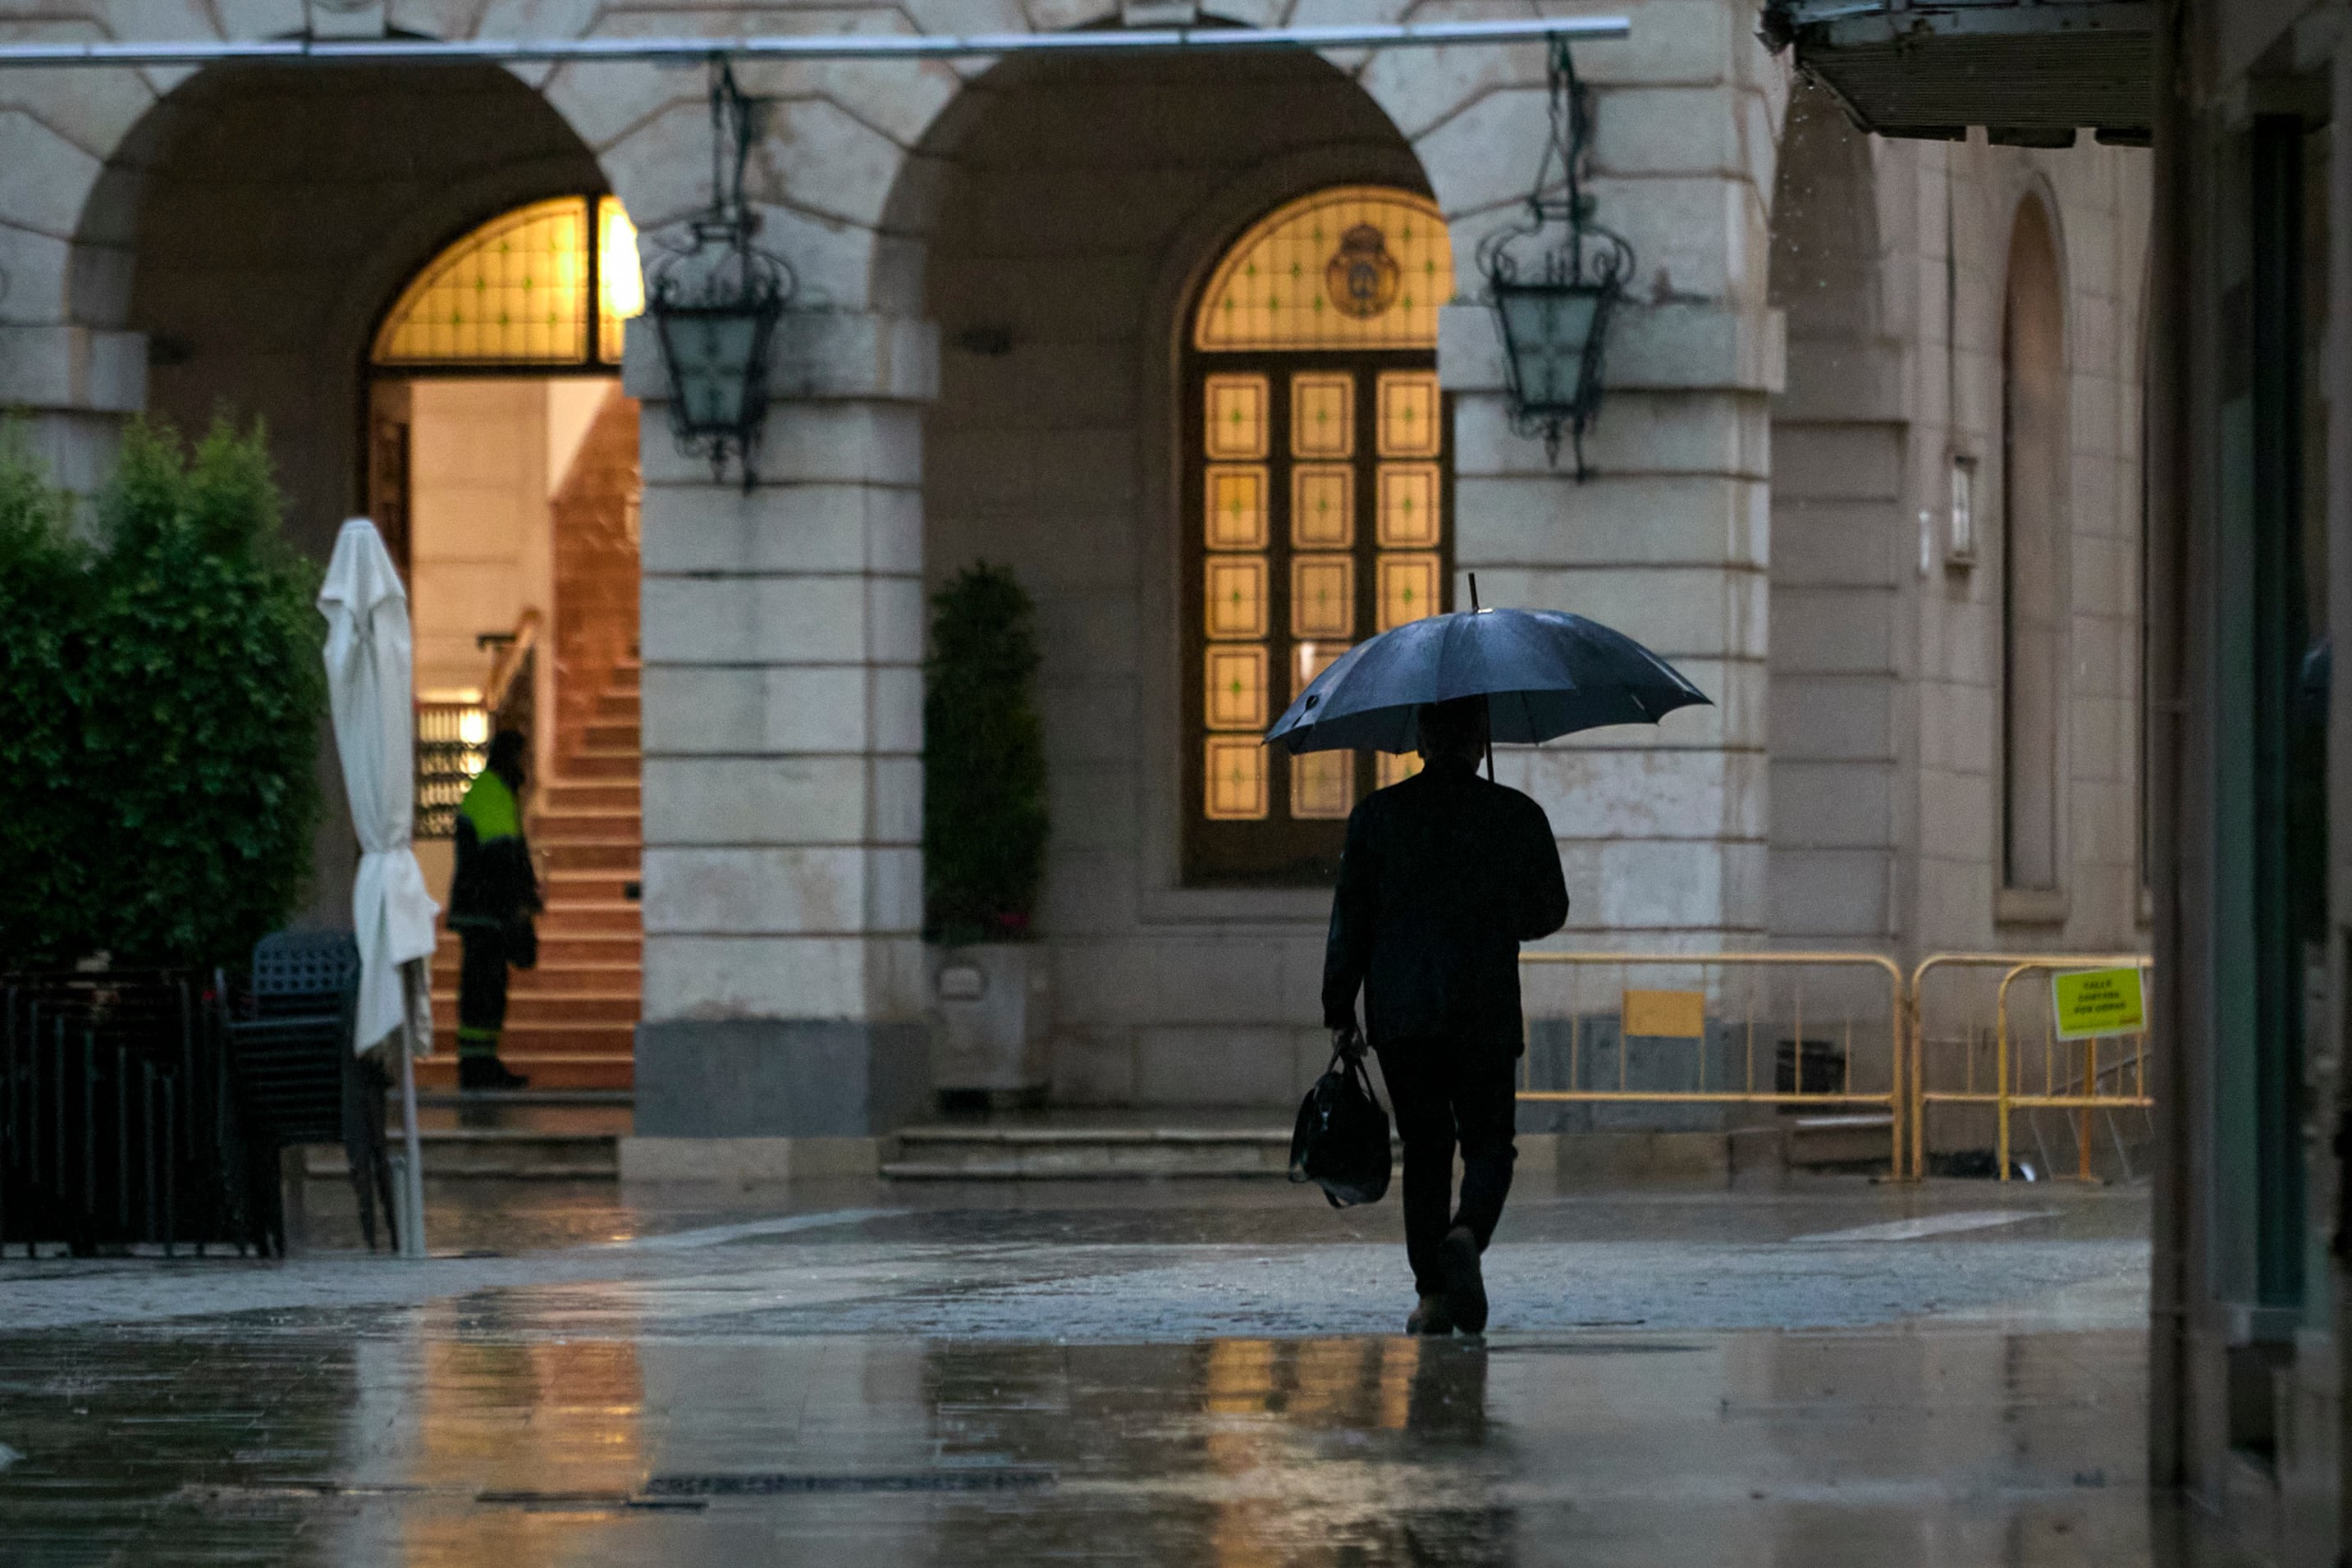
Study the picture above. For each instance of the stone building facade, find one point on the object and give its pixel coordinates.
(1919, 739)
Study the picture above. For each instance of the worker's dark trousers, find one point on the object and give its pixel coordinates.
(1441, 1094)
(481, 990)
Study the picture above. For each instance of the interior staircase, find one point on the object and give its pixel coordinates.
(571, 1021)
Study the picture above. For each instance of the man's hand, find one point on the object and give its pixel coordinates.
(1348, 1042)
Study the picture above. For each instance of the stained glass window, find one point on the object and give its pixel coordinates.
(1236, 507)
(1322, 596)
(1322, 506)
(1318, 480)
(1358, 266)
(1236, 416)
(1409, 414)
(1236, 778)
(1322, 414)
(517, 291)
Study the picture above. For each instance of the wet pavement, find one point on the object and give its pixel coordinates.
(1176, 1372)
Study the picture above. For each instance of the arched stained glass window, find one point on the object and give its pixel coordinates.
(517, 292)
(1319, 486)
(1358, 266)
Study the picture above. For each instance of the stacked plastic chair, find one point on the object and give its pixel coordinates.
(298, 1081)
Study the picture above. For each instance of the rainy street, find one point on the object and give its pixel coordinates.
(1840, 1372)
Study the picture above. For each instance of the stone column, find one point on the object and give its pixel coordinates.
(783, 641)
(1663, 831)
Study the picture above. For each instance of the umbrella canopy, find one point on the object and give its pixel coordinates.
(369, 683)
(1545, 673)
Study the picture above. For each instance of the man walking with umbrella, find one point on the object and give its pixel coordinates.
(1443, 877)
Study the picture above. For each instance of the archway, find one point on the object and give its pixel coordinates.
(1065, 269)
(258, 227)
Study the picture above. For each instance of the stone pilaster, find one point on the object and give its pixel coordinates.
(783, 644)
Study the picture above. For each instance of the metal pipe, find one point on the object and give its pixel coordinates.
(805, 46)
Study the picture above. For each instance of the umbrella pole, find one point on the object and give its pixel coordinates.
(1486, 702)
(412, 1179)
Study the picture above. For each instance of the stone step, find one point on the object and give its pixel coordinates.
(615, 734)
(595, 918)
(571, 889)
(1105, 1154)
(572, 1071)
(562, 854)
(598, 764)
(536, 1005)
(586, 828)
(569, 979)
(481, 1154)
(566, 795)
(1857, 1140)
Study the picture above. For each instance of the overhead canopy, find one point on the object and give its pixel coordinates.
(2031, 72)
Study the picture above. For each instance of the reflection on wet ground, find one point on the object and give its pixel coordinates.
(716, 1393)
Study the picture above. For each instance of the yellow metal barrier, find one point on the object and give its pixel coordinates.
(1738, 990)
(2079, 1089)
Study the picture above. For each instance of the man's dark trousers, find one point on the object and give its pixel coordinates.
(481, 990)
(1442, 1094)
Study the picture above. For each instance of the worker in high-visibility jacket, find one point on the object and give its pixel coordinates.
(492, 898)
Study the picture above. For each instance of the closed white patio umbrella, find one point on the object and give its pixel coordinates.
(370, 682)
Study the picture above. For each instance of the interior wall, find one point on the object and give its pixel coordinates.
(1051, 244)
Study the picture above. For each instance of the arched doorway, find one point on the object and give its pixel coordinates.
(501, 464)
(1316, 495)
(257, 226)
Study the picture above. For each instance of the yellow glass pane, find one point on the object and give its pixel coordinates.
(1235, 596)
(620, 281)
(1323, 596)
(514, 291)
(1397, 768)
(1235, 504)
(1322, 785)
(1233, 686)
(1356, 266)
(1234, 777)
(1408, 589)
(1409, 506)
(1309, 660)
(1236, 415)
(1322, 506)
(1410, 425)
(1323, 415)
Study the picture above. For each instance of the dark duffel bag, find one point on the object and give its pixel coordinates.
(1341, 1141)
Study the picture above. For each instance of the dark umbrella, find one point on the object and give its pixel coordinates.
(1545, 673)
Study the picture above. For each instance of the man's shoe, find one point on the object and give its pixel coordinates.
(487, 1072)
(1465, 1287)
(1430, 1317)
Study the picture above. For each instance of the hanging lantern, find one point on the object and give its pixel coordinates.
(715, 302)
(1553, 297)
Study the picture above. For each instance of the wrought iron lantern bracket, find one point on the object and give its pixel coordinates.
(1553, 298)
(715, 299)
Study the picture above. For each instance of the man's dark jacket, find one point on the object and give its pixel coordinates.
(1443, 876)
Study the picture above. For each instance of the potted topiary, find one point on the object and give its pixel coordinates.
(984, 828)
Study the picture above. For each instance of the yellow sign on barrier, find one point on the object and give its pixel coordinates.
(2090, 1003)
(1666, 1015)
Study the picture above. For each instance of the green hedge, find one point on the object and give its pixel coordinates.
(984, 817)
(160, 695)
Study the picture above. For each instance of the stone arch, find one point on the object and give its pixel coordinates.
(1059, 266)
(251, 226)
(1837, 491)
